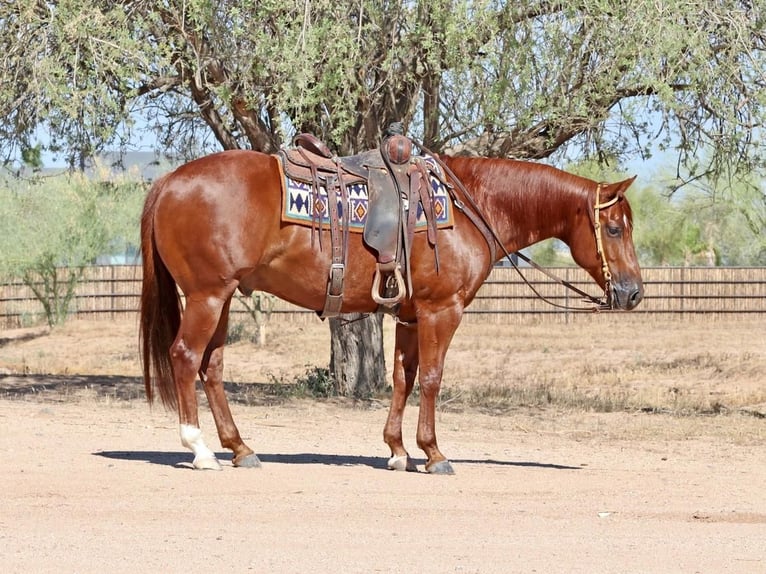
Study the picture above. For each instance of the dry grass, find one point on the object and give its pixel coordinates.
(617, 362)
(595, 364)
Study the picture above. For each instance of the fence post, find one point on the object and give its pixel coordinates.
(566, 301)
(112, 287)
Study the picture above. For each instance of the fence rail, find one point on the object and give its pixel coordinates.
(113, 291)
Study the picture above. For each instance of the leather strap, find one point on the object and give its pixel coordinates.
(427, 200)
(338, 240)
(316, 215)
(477, 218)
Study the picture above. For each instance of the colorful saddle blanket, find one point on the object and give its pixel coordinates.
(299, 199)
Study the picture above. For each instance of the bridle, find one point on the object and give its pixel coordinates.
(475, 214)
(597, 207)
(603, 303)
(477, 217)
(600, 303)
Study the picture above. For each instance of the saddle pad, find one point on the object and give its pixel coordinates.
(298, 198)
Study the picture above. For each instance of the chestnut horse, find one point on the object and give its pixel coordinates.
(213, 226)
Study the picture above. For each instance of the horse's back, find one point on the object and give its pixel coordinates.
(223, 174)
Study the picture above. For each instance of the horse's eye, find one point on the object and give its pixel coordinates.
(613, 230)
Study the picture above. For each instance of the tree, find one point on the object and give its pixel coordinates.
(56, 226)
(532, 80)
(695, 229)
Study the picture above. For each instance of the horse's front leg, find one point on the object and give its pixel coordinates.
(211, 374)
(405, 370)
(435, 331)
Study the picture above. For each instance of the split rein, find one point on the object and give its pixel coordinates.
(600, 303)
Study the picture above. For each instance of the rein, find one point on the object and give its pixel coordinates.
(601, 303)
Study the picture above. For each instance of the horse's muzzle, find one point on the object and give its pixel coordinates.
(627, 295)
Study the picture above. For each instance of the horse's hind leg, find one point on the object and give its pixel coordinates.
(198, 325)
(405, 370)
(211, 373)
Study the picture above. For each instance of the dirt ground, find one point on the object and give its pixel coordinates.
(672, 481)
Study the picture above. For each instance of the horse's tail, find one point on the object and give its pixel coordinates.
(160, 315)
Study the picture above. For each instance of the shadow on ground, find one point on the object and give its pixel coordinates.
(183, 459)
(62, 387)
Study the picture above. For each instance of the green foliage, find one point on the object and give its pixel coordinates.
(317, 382)
(551, 253)
(493, 78)
(32, 157)
(70, 67)
(698, 228)
(56, 226)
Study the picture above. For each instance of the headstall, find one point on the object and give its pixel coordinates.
(597, 207)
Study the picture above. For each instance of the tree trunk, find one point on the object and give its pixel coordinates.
(357, 363)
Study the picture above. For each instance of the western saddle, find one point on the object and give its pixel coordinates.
(398, 185)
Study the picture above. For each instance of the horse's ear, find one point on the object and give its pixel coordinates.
(617, 189)
(623, 185)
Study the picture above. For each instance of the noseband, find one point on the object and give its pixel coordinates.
(597, 207)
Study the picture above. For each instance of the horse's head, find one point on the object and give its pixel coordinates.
(602, 244)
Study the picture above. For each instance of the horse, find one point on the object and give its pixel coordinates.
(213, 226)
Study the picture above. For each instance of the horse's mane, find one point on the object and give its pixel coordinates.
(521, 180)
(525, 181)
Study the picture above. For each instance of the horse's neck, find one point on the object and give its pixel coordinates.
(521, 206)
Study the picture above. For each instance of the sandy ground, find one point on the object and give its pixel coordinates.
(94, 480)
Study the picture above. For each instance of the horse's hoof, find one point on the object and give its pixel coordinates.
(402, 462)
(441, 467)
(206, 463)
(248, 461)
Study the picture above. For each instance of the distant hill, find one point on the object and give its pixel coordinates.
(146, 165)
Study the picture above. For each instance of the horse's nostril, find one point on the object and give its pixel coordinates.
(635, 297)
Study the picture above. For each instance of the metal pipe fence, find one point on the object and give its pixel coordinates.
(110, 292)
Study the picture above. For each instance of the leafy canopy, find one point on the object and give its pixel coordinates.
(605, 77)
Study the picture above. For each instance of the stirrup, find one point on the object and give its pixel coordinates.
(400, 288)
